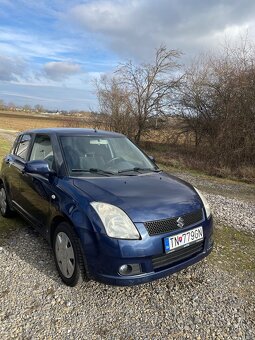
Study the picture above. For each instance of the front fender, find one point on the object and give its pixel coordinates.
(70, 205)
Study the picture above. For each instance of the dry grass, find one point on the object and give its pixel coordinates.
(5, 146)
(23, 121)
(184, 157)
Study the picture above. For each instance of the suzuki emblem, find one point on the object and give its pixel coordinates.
(180, 222)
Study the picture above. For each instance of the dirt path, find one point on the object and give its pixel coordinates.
(8, 134)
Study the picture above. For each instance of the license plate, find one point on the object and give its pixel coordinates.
(183, 239)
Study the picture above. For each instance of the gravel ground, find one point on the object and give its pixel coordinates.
(236, 212)
(201, 302)
(232, 212)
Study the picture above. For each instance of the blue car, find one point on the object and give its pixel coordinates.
(108, 212)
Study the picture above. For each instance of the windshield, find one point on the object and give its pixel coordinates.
(104, 156)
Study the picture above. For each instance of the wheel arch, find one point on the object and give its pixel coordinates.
(55, 222)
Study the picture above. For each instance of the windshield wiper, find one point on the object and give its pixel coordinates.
(94, 170)
(137, 169)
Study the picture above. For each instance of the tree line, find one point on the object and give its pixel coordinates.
(26, 107)
(212, 100)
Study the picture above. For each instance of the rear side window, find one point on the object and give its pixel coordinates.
(22, 146)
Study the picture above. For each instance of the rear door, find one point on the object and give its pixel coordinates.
(16, 162)
(36, 190)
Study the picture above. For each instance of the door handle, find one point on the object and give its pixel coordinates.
(9, 161)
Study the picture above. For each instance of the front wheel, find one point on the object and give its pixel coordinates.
(4, 204)
(68, 255)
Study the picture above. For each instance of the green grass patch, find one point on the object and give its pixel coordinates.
(7, 225)
(234, 250)
(5, 146)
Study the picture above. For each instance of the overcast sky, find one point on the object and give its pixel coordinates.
(51, 50)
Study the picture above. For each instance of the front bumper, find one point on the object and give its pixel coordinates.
(104, 256)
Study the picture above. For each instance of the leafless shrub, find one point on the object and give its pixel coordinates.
(114, 106)
(218, 107)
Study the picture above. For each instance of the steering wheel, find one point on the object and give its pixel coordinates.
(113, 160)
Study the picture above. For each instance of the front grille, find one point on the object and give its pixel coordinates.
(177, 255)
(170, 224)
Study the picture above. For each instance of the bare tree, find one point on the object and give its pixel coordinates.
(27, 107)
(138, 93)
(114, 105)
(39, 108)
(150, 87)
(11, 106)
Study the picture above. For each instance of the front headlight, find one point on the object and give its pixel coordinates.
(117, 224)
(205, 203)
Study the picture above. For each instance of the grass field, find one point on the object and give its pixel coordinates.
(4, 147)
(23, 121)
(234, 250)
(181, 158)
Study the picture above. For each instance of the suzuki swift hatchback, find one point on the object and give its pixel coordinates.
(106, 209)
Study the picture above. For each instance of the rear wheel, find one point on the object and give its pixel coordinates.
(68, 255)
(4, 204)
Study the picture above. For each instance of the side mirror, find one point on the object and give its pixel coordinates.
(152, 159)
(39, 167)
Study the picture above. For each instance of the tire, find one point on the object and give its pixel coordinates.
(4, 203)
(68, 255)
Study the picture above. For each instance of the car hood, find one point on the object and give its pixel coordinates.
(145, 197)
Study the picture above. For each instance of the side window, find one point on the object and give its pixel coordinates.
(42, 150)
(22, 146)
(14, 146)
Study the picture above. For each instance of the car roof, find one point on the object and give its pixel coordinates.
(74, 131)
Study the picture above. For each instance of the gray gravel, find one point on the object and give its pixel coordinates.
(198, 303)
(232, 212)
(201, 302)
